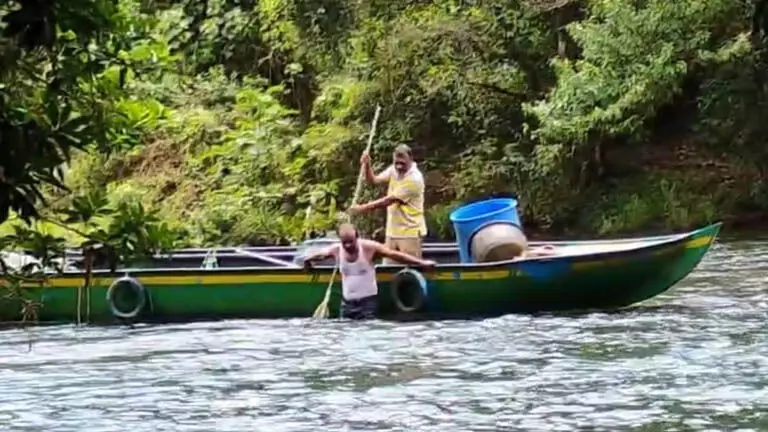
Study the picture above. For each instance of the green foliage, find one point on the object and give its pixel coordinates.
(670, 202)
(62, 77)
(63, 68)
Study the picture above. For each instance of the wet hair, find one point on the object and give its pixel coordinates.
(403, 150)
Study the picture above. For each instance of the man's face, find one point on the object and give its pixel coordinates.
(348, 242)
(401, 162)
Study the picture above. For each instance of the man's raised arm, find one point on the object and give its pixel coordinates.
(370, 176)
(320, 255)
(401, 257)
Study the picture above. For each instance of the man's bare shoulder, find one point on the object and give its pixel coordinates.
(370, 248)
(370, 244)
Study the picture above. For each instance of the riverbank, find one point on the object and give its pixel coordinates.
(669, 190)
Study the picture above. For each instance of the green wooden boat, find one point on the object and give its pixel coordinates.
(265, 283)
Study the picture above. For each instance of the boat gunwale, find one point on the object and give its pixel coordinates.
(228, 251)
(663, 242)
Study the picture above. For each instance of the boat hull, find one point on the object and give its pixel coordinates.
(580, 281)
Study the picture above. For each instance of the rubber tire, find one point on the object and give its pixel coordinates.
(409, 279)
(137, 288)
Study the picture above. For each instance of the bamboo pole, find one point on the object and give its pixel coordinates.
(321, 312)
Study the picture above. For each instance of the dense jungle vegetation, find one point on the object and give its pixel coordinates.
(154, 123)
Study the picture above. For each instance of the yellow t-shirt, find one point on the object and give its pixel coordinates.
(406, 220)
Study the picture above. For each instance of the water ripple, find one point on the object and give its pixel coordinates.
(693, 359)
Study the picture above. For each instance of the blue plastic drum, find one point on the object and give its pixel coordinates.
(469, 219)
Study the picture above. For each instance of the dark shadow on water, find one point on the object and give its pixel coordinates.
(153, 323)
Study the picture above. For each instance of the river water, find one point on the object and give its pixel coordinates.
(695, 359)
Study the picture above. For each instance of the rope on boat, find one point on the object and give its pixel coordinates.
(88, 304)
(88, 289)
(211, 253)
(85, 288)
(79, 305)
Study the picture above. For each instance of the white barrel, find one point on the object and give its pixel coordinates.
(498, 242)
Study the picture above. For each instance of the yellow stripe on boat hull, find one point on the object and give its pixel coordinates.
(270, 278)
(264, 278)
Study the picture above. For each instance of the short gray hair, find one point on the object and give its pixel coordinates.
(403, 150)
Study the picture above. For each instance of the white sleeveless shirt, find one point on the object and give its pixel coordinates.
(358, 278)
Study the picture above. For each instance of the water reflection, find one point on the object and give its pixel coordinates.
(693, 359)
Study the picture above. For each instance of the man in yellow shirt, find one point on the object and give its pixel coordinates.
(404, 201)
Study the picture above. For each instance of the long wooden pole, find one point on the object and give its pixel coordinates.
(322, 309)
(359, 186)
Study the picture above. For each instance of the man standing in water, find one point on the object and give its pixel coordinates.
(355, 258)
(404, 201)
